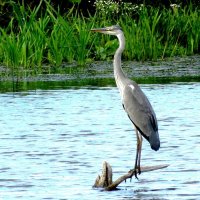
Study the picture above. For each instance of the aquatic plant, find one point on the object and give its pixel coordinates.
(153, 33)
(143, 39)
(36, 37)
(82, 38)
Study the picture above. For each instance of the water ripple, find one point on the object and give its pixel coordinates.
(53, 143)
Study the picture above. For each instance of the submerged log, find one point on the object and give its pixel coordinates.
(105, 180)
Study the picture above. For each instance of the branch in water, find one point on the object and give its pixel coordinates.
(105, 180)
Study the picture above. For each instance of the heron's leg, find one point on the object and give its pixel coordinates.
(136, 157)
(138, 153)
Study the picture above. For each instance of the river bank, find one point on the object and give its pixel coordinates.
(177, 69)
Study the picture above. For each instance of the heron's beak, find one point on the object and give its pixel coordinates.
(100, 30)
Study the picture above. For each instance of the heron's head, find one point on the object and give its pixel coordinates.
(111, 30)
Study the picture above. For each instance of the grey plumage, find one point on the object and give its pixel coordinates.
(141, 113)
(134, 101)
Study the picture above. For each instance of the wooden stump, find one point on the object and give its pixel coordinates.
(105, 180)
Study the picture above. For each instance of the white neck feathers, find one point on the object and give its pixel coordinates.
(118, 72)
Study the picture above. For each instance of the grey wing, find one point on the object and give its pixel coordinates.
(140, 112)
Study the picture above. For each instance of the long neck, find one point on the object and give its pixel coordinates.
(118, 72)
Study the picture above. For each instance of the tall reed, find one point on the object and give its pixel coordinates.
(34, 37)
(82, 38)
(143, 39)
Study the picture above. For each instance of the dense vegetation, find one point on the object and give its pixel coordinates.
(35, 37)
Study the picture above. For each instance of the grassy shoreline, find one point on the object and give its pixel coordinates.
(100, 74)
(33, 39)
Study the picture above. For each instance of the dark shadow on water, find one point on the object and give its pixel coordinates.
(8, 86)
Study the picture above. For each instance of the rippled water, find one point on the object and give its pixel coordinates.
(53, 144)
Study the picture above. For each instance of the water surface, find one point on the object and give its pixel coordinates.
(53, 143)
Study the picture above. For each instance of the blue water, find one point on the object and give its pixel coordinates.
(53, 144)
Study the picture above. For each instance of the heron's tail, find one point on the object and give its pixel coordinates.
(154, 141)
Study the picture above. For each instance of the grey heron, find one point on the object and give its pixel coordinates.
(134, 101)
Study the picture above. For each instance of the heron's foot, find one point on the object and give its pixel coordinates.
(135, 172)
(138, 170)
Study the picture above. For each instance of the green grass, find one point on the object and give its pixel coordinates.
(143, 39)
(35, 38)
(162, 33)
